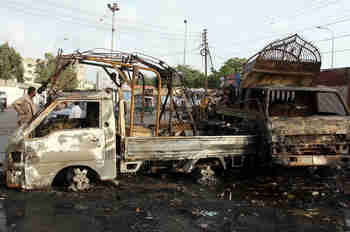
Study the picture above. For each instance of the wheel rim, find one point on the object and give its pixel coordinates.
(79, 180)
(207, 175)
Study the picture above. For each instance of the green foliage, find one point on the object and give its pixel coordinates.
(193, 78)
(11, 66)
(231, 66)
(46, 68)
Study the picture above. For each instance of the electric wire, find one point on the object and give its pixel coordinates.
(74, 10)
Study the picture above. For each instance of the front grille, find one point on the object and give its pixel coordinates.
(314, 139)
(16, 157)
(312, 149)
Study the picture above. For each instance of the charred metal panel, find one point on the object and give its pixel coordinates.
(309, 160)
(169, 148)
(109, 128)
(287, 61)
(310, 141)
(45, 157)
(310, 125)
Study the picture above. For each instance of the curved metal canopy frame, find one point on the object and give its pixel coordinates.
(290, 49)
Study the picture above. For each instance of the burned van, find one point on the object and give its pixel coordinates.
(303, 126)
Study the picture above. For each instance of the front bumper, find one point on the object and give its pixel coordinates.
(311, 160)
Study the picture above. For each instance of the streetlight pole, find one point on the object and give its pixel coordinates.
(113, 7)
(326, 28)
(185, 41)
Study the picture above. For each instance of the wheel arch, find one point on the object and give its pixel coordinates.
(60, 175)
(190, 165)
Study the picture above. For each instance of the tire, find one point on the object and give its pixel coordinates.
(205, 175)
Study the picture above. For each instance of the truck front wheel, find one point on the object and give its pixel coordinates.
(78, 179)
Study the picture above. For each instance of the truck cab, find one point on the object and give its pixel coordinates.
(55, 145)
(303, 126)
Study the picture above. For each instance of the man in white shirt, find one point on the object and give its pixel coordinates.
(76, 111)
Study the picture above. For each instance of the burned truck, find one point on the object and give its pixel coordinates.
(299, 125)
(111, 138)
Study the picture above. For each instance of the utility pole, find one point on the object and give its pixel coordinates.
(185, 42)
(204, 53)
(113, 7)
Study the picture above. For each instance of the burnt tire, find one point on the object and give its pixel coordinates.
(78, 179)
(205, 175)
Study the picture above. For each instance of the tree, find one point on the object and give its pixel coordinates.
(46, 69)
(193, 78)
(11, 66)
(231, 66)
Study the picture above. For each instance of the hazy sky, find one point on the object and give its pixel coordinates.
(156, 27)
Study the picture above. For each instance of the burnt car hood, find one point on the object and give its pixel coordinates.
(310, 125)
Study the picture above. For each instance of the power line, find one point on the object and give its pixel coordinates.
(270, 36)
(305, 10)
(337, 51)
(94, 15)
(181, 52)
(336, 37)
(79, 21)
(299, 30)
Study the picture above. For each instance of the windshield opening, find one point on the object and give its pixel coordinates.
(286, 103)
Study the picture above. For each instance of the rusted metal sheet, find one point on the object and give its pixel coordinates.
(168, 148)
(311, 160)
(310, 125)
(287, 61)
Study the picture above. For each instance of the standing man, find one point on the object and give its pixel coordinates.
(25, 107)
(76, 111)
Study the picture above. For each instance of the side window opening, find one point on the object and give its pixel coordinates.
(92, 115)
(70, 115)
(286, 103)
(330, 104)
(281, 102)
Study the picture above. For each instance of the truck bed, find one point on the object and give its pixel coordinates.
(177, 148)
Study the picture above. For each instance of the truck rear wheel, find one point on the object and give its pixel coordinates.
(205, 175)
(78, 179)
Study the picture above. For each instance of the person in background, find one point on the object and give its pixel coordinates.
(76, 111)
(25, 106)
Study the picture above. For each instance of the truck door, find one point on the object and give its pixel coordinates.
(60, 140)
